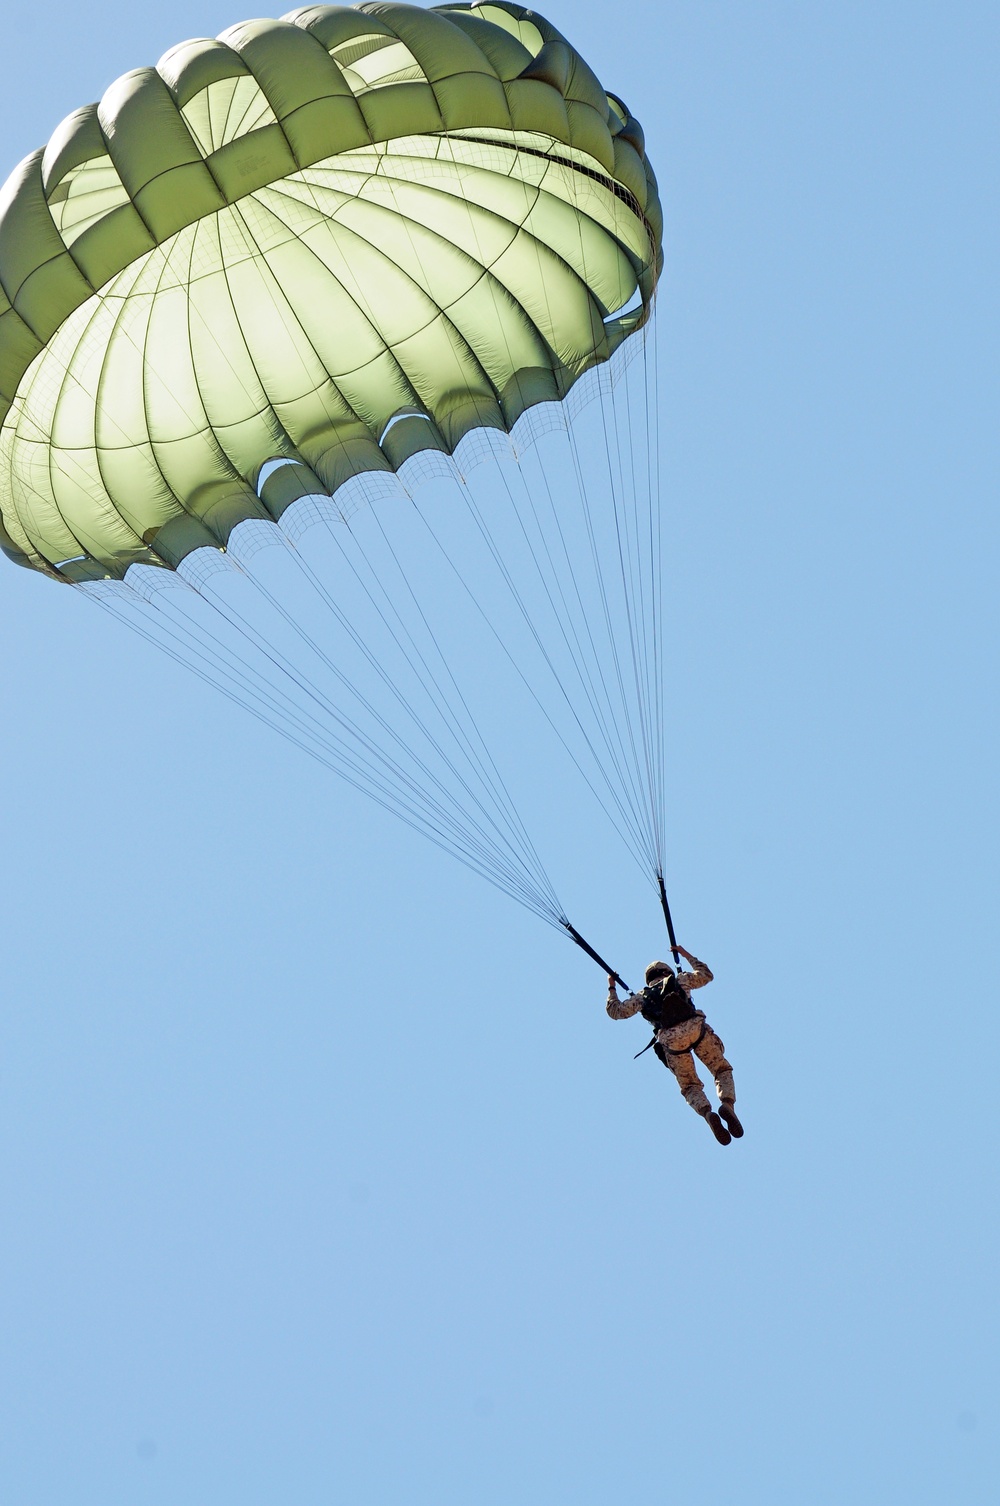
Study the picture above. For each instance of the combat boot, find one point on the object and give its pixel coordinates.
(728, 1113)
(717, 1127)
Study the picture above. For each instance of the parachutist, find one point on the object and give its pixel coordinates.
(681, 1032)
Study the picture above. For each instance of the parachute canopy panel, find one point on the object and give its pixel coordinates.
(332, 239)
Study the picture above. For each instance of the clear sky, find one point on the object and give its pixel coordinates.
(325, 1177)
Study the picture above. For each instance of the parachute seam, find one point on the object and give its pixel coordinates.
(619, 190)
(365, 311)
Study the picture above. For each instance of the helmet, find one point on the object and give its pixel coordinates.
(659, 970)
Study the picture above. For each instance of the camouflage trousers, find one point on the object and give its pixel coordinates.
(683, 1039)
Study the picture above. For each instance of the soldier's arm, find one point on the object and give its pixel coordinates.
(699, 975)
(622, 1009)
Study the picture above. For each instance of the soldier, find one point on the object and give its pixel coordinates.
(678, 1030)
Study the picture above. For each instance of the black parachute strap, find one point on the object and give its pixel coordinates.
(586, 947)
(645, 1048)
(666, 916)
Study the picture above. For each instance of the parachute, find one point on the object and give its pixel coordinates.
(372, 284)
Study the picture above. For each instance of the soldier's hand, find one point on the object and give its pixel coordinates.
(612, 980)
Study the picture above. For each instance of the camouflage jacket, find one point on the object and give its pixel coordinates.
(624, 1009)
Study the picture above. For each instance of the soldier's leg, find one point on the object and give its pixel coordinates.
(681, 1064)
(712, 1052)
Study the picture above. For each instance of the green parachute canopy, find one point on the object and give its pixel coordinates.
(331, 240)
(344, 283)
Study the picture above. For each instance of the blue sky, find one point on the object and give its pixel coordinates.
(325, 1176)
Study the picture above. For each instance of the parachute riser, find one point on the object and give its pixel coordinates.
(585, 946)
(666, 916)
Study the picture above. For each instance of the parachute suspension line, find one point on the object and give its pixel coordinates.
(651, 433)
(602, 713)
(279, 722)
(228, 685)
(638, 521)
(508, 839)
(476, 843)
(647, 539)
(469, 740)
(532, 692)
(584, 499)
(449, 835)
(623, 807)
(218, 680)
(651, 429)
(631, 780)
(636, 759)
(603, 716)
(485, 773)
(243, 679)
(633, 597)
(332, 753)
(470, 746)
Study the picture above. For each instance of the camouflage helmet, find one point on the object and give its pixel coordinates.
(659, 970)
